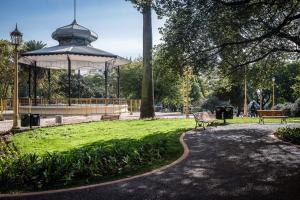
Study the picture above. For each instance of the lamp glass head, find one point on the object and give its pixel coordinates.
(16, 36)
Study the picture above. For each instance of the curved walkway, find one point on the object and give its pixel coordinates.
(229, 162)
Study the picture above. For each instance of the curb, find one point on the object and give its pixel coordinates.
(33, 194)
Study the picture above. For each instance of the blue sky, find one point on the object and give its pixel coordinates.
(117, 22)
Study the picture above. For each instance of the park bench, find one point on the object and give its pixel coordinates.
(202, 118)
(110, 117)
(271, 114)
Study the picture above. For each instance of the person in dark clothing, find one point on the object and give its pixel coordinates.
(253, 109)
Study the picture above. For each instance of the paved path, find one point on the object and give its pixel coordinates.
(229, 162)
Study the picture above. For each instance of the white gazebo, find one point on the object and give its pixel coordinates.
(74, 52)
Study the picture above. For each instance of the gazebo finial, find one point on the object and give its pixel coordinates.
(75, 10)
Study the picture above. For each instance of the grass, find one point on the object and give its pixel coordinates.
(248, 120)
(68, 137)
(64, 156)
(65, 138)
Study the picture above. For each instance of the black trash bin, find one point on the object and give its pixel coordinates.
(25, 120)
(35, 120)
(219, 112)
(228, 112)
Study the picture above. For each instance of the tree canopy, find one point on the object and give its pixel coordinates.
(229, 34)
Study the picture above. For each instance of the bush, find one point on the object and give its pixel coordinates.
(32, 172)
(289, 134)
(296, 108)
(286, 108)
(211, 103)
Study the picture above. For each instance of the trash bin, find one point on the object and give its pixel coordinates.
(219, 112)
(25, 120)
(35, 120)
(58, 119)
(228, 112)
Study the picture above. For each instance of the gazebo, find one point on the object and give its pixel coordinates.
(74, 52)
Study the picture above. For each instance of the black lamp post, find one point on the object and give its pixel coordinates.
(16, 40)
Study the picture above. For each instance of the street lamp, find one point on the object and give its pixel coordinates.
(16, 40)
(273, 80)
(259, 93)
(245, 95)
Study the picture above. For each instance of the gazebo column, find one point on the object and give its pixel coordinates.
(69, 80)
(106, 79)
(49, 86)
(29, 82)
(118, 82)
(78, 79)
(35, 84)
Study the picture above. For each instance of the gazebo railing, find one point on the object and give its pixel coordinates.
(60, 106)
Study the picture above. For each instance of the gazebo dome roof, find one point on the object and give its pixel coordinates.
(74, 34)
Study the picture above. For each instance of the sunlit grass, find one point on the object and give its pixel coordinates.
(68, 137)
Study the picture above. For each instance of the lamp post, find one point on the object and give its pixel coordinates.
(16, 40)
(245, 95)
(259, 93)
(273, 102)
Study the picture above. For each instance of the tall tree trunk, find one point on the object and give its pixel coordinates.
(147, 106)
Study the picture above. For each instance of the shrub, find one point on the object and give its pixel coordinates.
(211, 103)
(296, 108)
(286, 108)
(6, 150)
(289, 134)
(32, 172)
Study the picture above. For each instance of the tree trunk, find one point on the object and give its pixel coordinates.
(147, 106)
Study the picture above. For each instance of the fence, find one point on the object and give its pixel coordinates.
(82, 106)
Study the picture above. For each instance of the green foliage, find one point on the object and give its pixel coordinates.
(211, 102)
(85, 153)
(286, 108)
(84, 163)
(131, 78)
(6, 68)
(230, 34)
(185, 89)
(289, 134)
(296, 108)
(6, 150)
(296, 87)
(290, 109)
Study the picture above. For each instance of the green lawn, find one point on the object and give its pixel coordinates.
(80, 154)
(65, 138)
(68, 137)
(247, 120)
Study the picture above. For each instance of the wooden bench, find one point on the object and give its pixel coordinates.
(202, 118)
(110, 117)
(271, 114)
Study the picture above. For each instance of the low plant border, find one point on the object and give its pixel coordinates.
(277, 137)
(179, 160)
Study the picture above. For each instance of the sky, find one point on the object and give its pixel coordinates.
(117, 23)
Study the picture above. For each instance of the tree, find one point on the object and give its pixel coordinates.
(131, 77)
(32, 45)
(296, 87)
(185, 90)
(6, 68)
(229, 33)
(147, 106)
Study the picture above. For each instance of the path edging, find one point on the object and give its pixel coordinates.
(185, 154)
